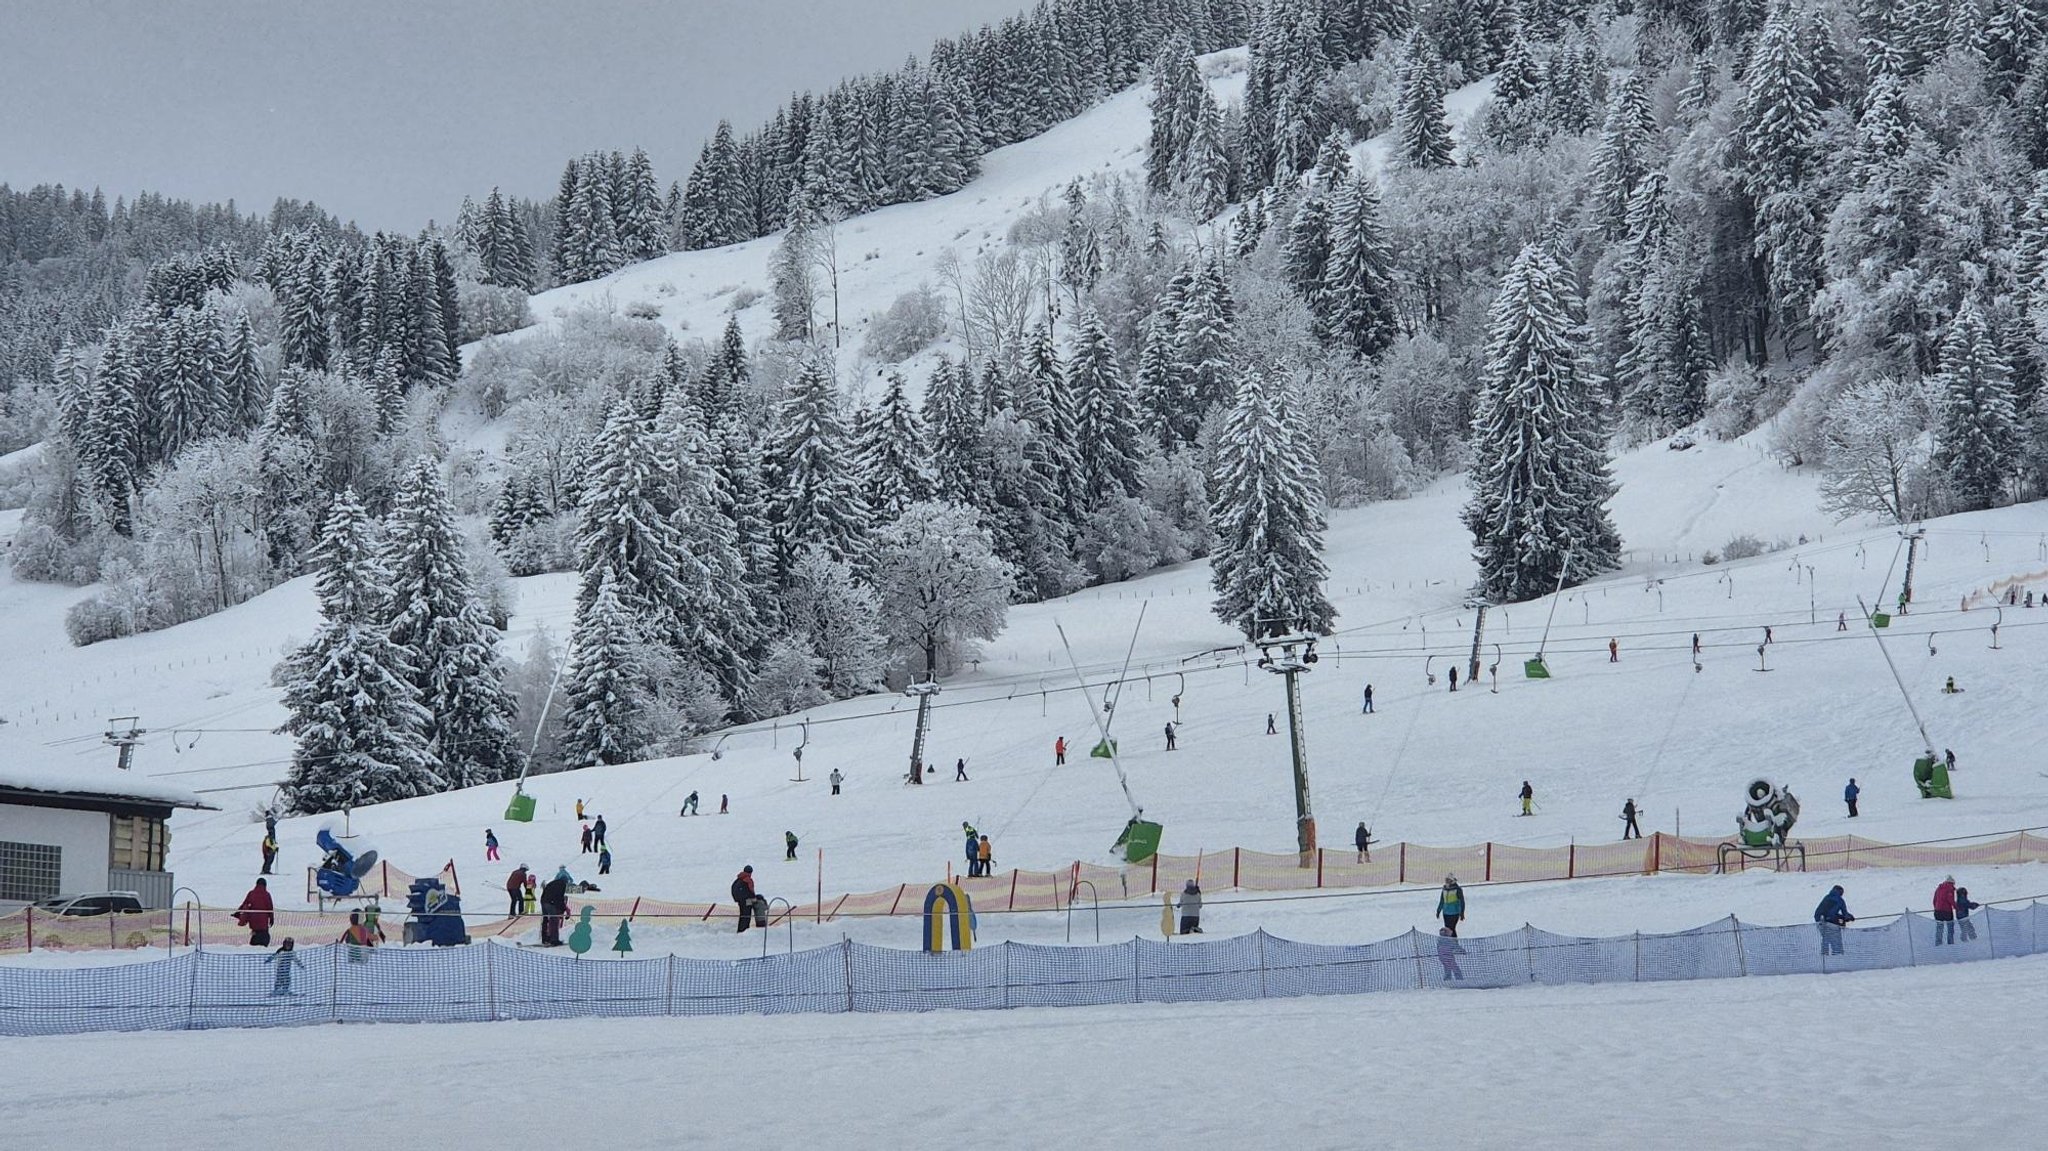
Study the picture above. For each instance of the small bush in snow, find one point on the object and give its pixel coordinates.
(92, 620)
(643, 310)
(488, 309)
(743, 299)
(912, 323)
(1744, 547)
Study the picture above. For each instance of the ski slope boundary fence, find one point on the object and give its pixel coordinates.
(340, 984)
(1241, 869)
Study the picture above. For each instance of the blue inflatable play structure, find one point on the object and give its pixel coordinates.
(436, 915)
(341, 870)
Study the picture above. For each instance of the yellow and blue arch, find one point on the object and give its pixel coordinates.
(947, 905)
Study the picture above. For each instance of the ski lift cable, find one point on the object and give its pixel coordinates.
(1400, 751)
(1657, 757)
(1101, 728)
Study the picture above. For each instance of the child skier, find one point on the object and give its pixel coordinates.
(789, 845)
(1964, 906)
(604, 860)
(269, 852)
(1831, 915)
(286, 958)
(490, 846)
(1447, 951)
(984, 856)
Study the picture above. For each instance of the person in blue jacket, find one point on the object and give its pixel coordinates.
(1831, 915)
(973, 849)
(1964, 906)
(1849, 795)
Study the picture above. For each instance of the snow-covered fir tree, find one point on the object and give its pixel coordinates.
(812, 482)
(604, 682)
(628, 538)
(887, 445)
(1423, 131)
(359, 725)
(1976, 442)
(437, 617)
(1539, 478)
(1266, 519)
(1354, 306)
(1105, 419)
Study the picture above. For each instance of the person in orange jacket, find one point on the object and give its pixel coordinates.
(984, 855)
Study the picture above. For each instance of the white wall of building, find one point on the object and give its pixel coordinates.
(85, 836)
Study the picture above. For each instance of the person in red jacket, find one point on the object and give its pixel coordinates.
(256, 914)
(1945, 911)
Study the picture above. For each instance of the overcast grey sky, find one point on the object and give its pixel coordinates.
(388, 112)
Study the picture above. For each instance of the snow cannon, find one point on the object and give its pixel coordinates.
(341, 870)
(1769, 816)
(436, 915)
(1139, 841)
(1930, 775)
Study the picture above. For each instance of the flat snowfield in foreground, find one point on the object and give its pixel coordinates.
(1948, 1057)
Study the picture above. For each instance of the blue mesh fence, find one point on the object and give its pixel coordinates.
(337, 983)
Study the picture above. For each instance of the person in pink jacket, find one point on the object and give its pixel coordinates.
(1945, 911)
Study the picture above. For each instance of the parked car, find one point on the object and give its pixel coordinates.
(91, 903)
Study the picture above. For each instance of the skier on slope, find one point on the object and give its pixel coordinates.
(689, 805)
(1450, 905)
(1447, 951)
(1169, 737)
(554, 906)
(1528, 798)
(1849, 795)
(836, 779)
(1964, 906)
(789, 845)
(597, 832)
(1945, 911)
(285, 958)
(1363, 841)
(490, 846)
(984, 856)
(1368, 700)
(743, 894)
(1628, 814)
(1059, 752)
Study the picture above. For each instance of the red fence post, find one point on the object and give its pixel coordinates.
(707, 913)
(1013, 889)
(1155, 874)
(384, 877)
(899, 897)
(1319, 867)
(1571, 863)
(1236, 860)
(1656, 851)
(32, 929)
(1403, 877)
(636, 908)
(1489, 861)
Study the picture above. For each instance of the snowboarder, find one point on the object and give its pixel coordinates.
(586, 838)
(1059, 752)
(1849, 795)
(836, 779)
(722, 803)
(1450, 905)
(256, 913)
(604, 860)
(286, 958)
(689, 805)
(960, 770)
(1628, 815)
(1191, 909)
(1964, 906)
(1363, 841)
(1945, 911)
(1832, 913)
(789, 845)
(1169, 737)
(579, 811)
(984, 857)
(1950, 687)
(1270, 729)
(490, 846)
(743, 894)
(515, 887)
(1613, 650)
(597, 832)
(1528, 798)
(1454, 677)
(269, 852)
(1447, 951)
(1368, 700)
(554, 904)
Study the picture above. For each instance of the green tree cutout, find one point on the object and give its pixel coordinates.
(579, 936)
(624, 943)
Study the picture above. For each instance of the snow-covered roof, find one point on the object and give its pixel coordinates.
(96, 783)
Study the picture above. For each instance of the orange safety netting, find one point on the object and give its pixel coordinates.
(1016, 890)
